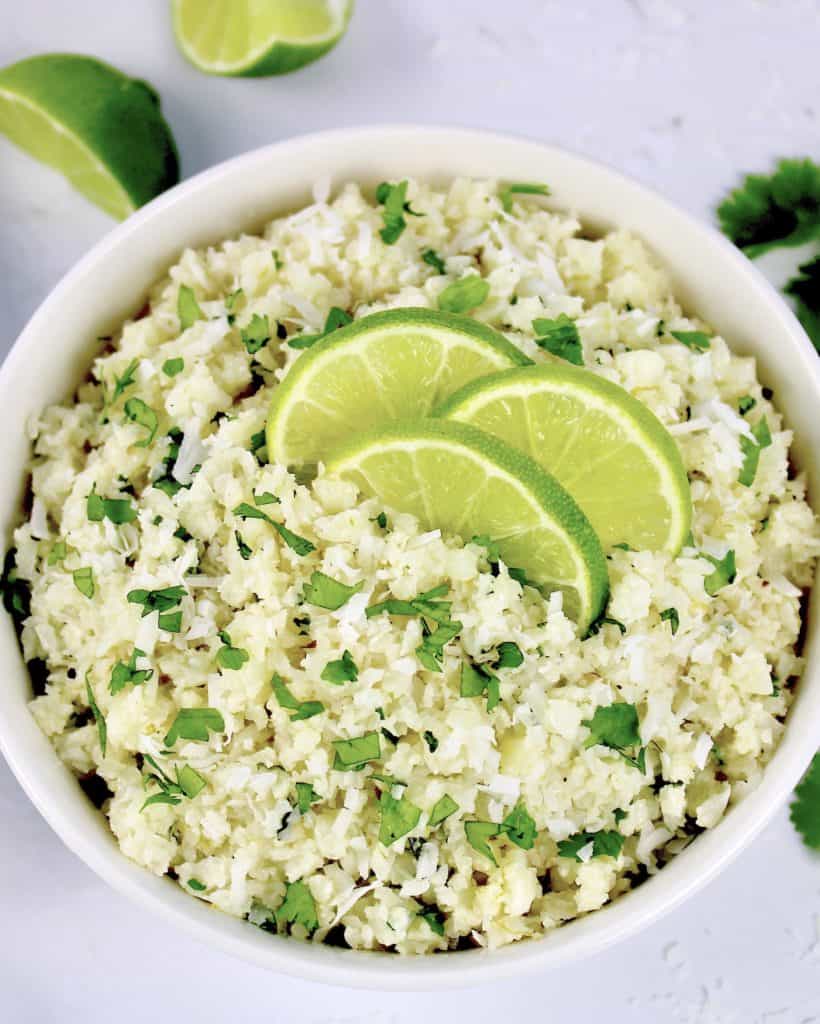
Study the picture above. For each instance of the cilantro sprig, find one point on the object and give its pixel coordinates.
(805, 288)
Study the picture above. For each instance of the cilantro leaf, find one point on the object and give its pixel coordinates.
(745, 404)
(196, 885)
(171, 622)
(805, 808)
(171, 367)
(442, 809)
(357, 752)
(398, 817)
(671, 616)
(520, 188)
(188, 309)
(432, 259)
(435, 918)
(616, 726)
(509, 655)
(297, 908)
(256, 334)
(305, 796)
(124, 673)
(228, 656)
(189, 783)
(301, 709)
(478, 833)
(84, 581)
(696, 340)
(244, 551)
(300, 545)
(751, 448)
(258, 446)
(138, 412)
(325, 592)
(126, 381)
(336, 318)
(605, 620)
(99, 717)
(162, 600)
(559, 337)
(265, 498)
(476, 680)
(394, 200)
(724, 574)
(519, 827)
(781, 209)
(342, 671)
(58, 552)
(118, 510)
(194, 724)
(604, 844)
(806, 290)
(464, 295)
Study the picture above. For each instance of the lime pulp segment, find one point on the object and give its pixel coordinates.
(607, 448)
(246, 37)
(397, 364)
(460, 480)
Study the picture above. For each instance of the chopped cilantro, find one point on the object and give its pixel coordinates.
(442, 809)
(188, 309)
(427, 606)
(724, 573)
(430, 651)
(228, 656)
(171, 622)
(244, 551)
(560, 338)
(806, 290)
(745, 404)
(336, 318)
(605, 620)
(357, 752)
(124, 673)
(138, 412)
(305, 796)
(478, 833)
(435, 918)
(118, 510)
(464, 295)
(297, 908)
(194, 724)
(301, 709)
(196, 885)
(394, 200)
(300, 545)
(380, 520)
(278, 262)
(431, 741)
(616, 726)
(189, 783)
(696, 340)
(265, 498)
(156, 600)
(751, 447)
(509, 655)
(58, 552)
(398, 817)
(604, 844)
(84, 581)
(781, 209)
(671, 616)
(126, 381)
(477, 680)
(519, 827)
(256, 334)
(259, 446)
(432, 259)
(99, 717)
(522, 188)
(171, 367)
(805, 808)
(342, 671)
(325, 592)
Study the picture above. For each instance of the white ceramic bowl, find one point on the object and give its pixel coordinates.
(54, 351)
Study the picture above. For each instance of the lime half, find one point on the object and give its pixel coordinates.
(608, 449)
(102, 130)
(399, 364)
(458, 479)
(246, 37)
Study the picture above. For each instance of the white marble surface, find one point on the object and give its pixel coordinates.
(683, 94)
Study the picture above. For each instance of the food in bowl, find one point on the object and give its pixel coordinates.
(384, 724)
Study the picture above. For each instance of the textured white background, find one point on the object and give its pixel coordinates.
(683, 94)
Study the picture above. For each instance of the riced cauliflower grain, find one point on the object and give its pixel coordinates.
(712, 689)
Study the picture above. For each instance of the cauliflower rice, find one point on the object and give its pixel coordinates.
(712, 685)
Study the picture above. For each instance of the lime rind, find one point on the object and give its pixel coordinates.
(558, 511)
(634, 418)
(492, 351)
(275, 54)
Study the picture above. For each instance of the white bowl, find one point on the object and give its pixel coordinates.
(54, 351)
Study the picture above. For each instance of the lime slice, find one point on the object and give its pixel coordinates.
(609, 451)
(246, 37)
(458, 479)
(102, 130)
(399, 364)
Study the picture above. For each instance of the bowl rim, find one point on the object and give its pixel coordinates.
(351, 968)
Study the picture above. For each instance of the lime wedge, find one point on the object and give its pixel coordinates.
(460, 480)
(398, 364)
(610, 452)
(246, 37)
(102, 130)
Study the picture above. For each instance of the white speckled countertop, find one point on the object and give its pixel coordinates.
(682, 94)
